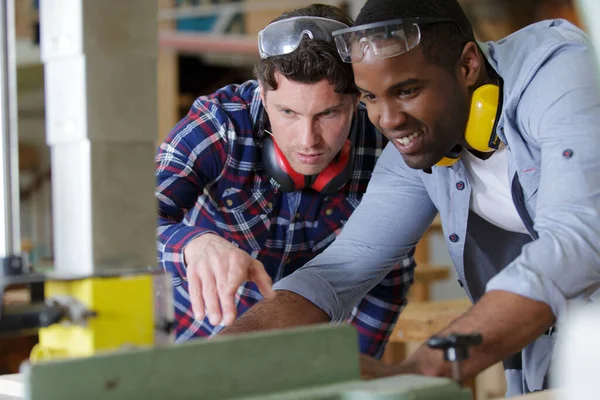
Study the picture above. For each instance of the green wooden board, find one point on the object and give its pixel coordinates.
(317, 362)
(219, 368)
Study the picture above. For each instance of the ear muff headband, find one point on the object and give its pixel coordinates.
(328, 181)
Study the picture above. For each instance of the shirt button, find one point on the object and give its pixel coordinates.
(270, 205)
(229, 202)
(329, 212)
(287, 261)
(297, 215)
(568, 153)
(453, 238)
(460, 185)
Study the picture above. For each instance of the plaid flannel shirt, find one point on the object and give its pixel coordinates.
(210, 178)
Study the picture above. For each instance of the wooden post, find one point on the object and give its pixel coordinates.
(168, 81)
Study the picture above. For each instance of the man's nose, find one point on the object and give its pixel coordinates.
(392, 117)
(309, 135)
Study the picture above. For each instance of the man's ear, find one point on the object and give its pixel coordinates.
(470, 65)
(263, 95)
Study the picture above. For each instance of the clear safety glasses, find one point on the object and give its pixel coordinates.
(385, 39)
(284, 36)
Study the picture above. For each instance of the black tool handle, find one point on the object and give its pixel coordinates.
(455, 346)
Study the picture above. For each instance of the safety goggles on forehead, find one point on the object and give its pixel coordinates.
(284, 36)
(385, 39)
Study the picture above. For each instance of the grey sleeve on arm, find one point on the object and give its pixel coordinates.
(562, 113)
(394, 213)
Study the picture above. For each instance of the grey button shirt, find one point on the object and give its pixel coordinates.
(550, 123)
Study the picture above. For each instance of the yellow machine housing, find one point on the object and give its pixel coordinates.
(125, 316)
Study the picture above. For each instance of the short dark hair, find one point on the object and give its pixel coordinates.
(313, 60)
(441, 43)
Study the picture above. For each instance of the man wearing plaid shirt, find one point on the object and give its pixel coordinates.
(260, 177)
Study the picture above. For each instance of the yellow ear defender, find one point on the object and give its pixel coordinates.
(450, 158)
(480, 133)
(481, 126)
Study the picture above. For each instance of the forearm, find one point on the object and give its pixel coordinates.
(507, 322)
(183, 169)
(286, 309)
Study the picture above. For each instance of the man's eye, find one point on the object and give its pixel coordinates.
(368, 97)
(407, 92)
(287, 112)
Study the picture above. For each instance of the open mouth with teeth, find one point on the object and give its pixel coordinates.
(405, 141)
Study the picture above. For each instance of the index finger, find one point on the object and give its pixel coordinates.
(228, 287)
(263, 281)
(195, 293)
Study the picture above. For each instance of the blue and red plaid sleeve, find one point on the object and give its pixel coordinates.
(193, 154)
(376, 314)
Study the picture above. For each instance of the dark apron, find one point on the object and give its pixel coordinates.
(488, 250)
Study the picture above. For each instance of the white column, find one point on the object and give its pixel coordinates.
(100, 62)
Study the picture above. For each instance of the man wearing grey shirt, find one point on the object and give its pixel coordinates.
(501, 140)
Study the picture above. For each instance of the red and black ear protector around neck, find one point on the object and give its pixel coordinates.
(328, 181)
(480, 133)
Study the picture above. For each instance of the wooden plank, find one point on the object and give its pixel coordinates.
(168, 81)
(201, 43)
(16, 296)
(422, 250)
(420, 320)
(425, 275)
(255, 20)
(14, 350)
(394, 353)
(430, 273)
(24, 15)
